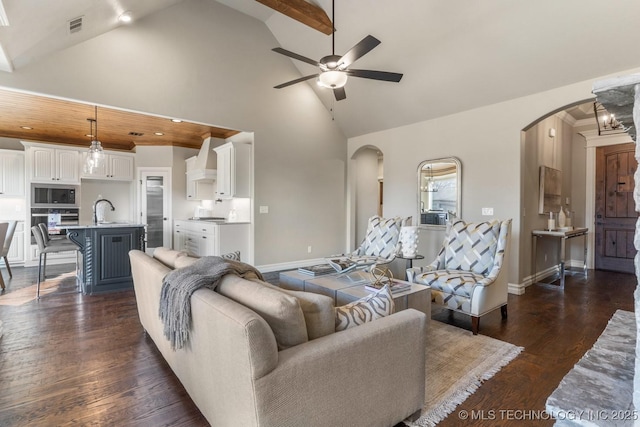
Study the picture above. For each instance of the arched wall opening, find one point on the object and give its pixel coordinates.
(367, 196)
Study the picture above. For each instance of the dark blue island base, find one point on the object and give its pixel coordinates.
(103, 264)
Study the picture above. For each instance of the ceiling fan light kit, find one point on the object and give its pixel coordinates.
(334, 69)
(332, 79)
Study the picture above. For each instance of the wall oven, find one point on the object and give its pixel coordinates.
(54, 195)
(55, 219)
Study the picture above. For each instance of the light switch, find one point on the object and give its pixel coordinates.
(487, 211)
(264, 209)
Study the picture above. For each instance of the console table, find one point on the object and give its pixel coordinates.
(562, 236)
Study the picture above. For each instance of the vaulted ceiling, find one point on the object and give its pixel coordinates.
(455, 55)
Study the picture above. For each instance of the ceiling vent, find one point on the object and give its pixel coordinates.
(75, 25)
(136, 133)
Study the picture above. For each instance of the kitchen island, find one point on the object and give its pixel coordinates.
(103, 264)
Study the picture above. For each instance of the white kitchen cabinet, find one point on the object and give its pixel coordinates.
(234, 170)
(11, 173)
(49, 164)
(116, 167)
(201, 238)
(16, 250)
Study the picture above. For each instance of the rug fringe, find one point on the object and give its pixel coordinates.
(441, 411)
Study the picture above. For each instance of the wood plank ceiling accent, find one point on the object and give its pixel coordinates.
(65, 122)
(306, 13)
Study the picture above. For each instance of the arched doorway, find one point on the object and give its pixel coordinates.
(368, 174)
(566, 140)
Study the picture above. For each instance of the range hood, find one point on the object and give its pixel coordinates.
(202, 168)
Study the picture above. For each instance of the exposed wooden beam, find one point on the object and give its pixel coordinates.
(303, 12)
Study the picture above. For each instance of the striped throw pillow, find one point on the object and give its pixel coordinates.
(371, 307)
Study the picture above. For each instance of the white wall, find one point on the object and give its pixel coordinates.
(487, 141)
(180, 62)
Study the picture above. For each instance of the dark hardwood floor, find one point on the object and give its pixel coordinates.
(70, 359)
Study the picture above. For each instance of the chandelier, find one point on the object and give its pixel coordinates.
(607, 123)
(95, 156)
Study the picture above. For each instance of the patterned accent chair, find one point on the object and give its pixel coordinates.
(469, 275)
(382, 241)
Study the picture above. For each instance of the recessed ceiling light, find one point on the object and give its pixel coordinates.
(26, 127)
(176, 120)
(126, 17)
(158, 133)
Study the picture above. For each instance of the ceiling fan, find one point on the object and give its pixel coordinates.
(334, 69)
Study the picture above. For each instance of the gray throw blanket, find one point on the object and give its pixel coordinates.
(180, 284)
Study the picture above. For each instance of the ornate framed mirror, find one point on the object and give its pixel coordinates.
(439, 191)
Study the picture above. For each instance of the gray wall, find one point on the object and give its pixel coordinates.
(489, 143)
(205, 62)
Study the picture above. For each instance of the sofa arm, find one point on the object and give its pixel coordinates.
(373, 374)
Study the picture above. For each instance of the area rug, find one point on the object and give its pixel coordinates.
(599, 388)
(457, 362)
(64, 282)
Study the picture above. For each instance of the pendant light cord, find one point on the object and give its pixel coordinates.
(333, 24)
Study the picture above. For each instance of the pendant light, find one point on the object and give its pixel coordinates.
(95, 157)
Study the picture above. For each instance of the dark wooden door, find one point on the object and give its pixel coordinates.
(615, 208)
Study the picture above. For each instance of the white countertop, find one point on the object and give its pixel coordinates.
(219, 222)
(115, 224)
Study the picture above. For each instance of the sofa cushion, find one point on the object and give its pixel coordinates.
(281, 311)
(185, 261)
(319, 312)
(371, 307)
(168, 256)
(472, 246)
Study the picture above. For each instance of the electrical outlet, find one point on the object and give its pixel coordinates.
(487, 211)
(309, 249)
(264, 209)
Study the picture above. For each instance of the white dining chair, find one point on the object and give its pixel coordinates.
(4, 248)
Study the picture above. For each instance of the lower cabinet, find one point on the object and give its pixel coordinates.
(201, 238)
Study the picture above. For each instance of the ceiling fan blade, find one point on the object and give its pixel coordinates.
(339, 93)
(293, 55)
(292, 82)
(359, 50)
(376, 75)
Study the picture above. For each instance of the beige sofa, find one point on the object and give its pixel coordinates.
(369, 375)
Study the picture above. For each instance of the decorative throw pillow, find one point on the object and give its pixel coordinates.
(232, 255)
(371, 307)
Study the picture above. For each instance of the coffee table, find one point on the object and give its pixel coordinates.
(346, 288)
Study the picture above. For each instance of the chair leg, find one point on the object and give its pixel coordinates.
(1, 281)
(6, 262)
(44, 268)
(39, 276)
(475, 324)
(503, 311)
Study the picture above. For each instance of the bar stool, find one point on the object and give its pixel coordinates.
(47, 246)
(4, 251)
(3, 232)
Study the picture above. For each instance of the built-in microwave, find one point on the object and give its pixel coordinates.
(50, 195)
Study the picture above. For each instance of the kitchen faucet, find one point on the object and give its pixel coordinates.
(95, 209)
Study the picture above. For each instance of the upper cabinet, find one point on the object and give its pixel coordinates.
(11, 173)
(234, 170)
(53, 164)
(116, 167)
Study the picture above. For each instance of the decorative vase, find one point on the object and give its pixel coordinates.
(562, 218)
(409, 241)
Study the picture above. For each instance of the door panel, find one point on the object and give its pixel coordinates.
(615, 208)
